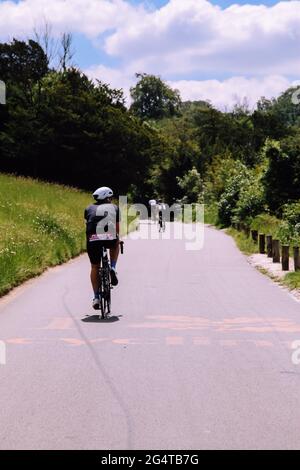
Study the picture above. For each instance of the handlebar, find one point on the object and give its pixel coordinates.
(122, 247)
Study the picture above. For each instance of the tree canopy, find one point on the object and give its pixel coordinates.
(153, 98)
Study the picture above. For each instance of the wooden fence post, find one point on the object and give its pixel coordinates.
(269, 246)
(296, 258)
(254, 234)
(285, 250)
(276, 251)
(262, 243)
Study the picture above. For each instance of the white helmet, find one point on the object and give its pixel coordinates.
(103, 193)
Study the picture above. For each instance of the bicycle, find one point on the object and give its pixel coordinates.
(105, 283)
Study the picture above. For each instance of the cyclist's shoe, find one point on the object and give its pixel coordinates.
(113, 277)
(96, 304)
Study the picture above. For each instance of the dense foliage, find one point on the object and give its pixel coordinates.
(60, 126)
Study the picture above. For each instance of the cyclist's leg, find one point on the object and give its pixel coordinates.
(160, 219)
(94, 252)
(114, 254)
(95, 278)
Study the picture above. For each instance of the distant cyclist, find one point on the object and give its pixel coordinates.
(102, 229)
(153, 209)
(161, 209)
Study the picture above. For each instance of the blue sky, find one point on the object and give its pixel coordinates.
(223, 55)
(221, 3)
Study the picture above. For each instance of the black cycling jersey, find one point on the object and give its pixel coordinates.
(109, 214)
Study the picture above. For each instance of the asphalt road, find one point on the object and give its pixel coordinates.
(197, 355)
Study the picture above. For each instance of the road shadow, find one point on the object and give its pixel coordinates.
(97, 319)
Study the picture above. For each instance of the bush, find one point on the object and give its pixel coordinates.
(291, 219)
(266, 223)
(221, 169)
(229, 199)
(291, 213)
(192, 186)
(251, 201)
(287, 229)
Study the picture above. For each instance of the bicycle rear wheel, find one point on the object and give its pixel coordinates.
(105, 296)
(103, 308)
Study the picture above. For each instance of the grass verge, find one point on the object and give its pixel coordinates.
(244, 243)
(41, 226)
(249, 247)
(292, 280)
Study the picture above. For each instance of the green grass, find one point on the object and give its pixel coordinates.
(41, 225)
(292, 280)
(244, 243)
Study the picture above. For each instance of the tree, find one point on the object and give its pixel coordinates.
(192, 186)
(218, 133)
(230, 197)
(66, 53)
(251, 200)
(44, 38)
(153, 98)
(286, 107)
(23, 64)
(78, 132)
(282, 177)
(269, 121)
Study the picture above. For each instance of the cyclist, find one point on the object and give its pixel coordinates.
(153, 209)
(102, 229)
(161, 207)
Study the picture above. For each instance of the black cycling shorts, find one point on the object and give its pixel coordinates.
(94, 249)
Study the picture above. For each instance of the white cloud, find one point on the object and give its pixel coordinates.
(90, 17)
(234, 90)
(223, 94)
(183, 37)
(114, 77)
(191, 36)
